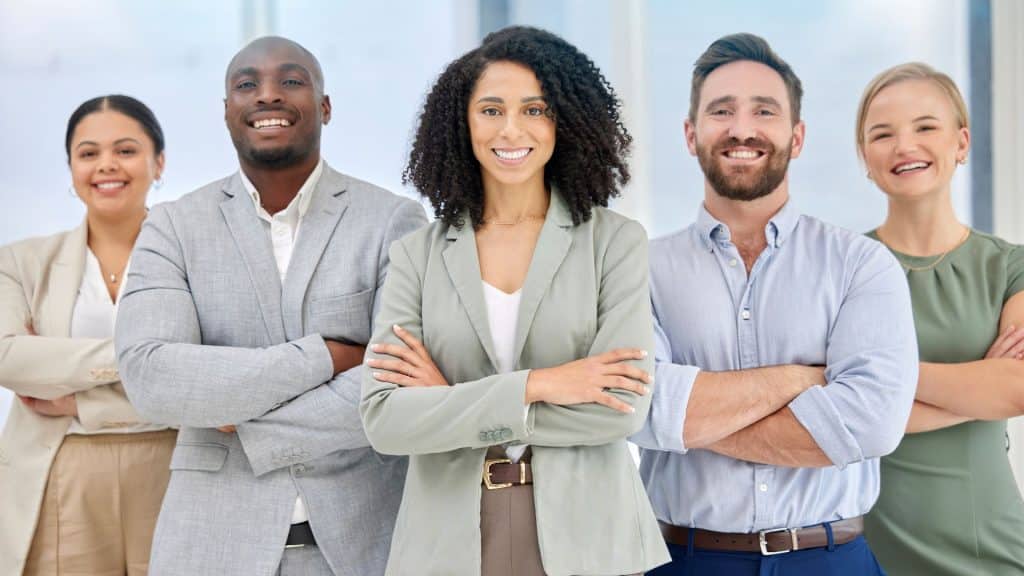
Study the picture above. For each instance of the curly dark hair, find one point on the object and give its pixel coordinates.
(588, 165)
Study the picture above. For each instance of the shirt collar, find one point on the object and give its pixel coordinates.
(302, 199)
(776, 232)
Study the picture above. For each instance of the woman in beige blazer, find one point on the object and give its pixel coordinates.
(510, 358)
(81, 479)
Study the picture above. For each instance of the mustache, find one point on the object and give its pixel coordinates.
(261, 108)
(753, 142)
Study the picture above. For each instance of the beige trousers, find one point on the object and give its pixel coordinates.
(101, 503)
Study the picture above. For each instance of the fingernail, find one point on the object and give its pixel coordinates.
(371, 361)
(376, 375)
(643, 353)
(398, 328)
(632, 410)
(647, 389)
(375, 347)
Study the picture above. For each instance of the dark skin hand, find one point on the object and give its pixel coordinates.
(343, 356)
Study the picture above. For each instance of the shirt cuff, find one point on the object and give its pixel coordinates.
(816, 412)
(663, 429)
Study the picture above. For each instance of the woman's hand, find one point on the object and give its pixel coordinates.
(63, 406)
(589, 379)
(1009, 344)
(411, 364)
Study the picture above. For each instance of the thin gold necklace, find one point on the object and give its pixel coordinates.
(938, 260)
(516, 221)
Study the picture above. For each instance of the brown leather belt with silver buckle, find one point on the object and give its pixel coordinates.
(300, 535)
(503, 473)
(767, 542)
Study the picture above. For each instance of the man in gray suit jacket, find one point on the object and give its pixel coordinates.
(248, 304)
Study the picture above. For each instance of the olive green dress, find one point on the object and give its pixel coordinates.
(949, 504)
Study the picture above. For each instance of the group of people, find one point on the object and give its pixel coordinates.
(290, 371)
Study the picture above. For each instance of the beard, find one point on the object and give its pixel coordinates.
(277, 157)
(744, 183)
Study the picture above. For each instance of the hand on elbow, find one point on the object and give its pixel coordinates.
(589, 380)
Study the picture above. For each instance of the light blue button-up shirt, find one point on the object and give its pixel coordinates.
(817, 295)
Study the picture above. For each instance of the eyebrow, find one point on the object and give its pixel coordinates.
(768, 100)
(719, 101)
(497, 100)
(918, 119)
(292, 67)
(116, 142)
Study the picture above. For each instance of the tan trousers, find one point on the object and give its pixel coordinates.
(101, 503)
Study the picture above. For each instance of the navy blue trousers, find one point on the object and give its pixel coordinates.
(851, 559)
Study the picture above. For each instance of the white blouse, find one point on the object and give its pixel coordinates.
(93, 317)
(502, 317)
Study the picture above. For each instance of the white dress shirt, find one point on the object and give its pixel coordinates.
(283, 228)
(502, 318)
(93, 316)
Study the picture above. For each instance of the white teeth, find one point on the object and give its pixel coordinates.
(109, 185)
(742, 154)
(512, 154)
(271, 122)
(911, 166)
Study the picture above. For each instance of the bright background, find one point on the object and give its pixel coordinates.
(380, 57)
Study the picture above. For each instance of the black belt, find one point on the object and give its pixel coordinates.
(300, 535)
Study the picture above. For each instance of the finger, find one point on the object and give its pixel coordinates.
(400, 366)
(411, 341)
(1015, 351)
(630, 385)
(398, 351)
(399, 379)
(629, 371)
(621, 355)
(614, 403)
(227, 429)
(1003, 343)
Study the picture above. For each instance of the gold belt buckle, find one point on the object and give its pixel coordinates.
(487, 474)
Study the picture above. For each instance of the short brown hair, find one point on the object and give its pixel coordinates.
(737, 47)
(902, 73)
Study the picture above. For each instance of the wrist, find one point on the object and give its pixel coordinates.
(534, 386)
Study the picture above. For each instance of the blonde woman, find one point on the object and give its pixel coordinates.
(948, 504)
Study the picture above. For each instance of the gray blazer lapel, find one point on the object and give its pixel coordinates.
(552, 246)
(463, 265)
(326, 208)
(65, 280)
(257, 253)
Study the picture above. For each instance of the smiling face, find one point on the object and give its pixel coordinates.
(913, 139)
(113, 164)
(275, 105)
(510, 126)
(744, 135)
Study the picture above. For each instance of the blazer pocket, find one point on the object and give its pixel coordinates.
(344, 317)
(206, 457)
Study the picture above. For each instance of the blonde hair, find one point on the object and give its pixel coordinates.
(902, 73)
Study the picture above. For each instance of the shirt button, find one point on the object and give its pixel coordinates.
(299, 468)
(763, 487)
(733, 262)
(745, 314)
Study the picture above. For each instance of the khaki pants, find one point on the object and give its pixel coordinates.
(101, 503)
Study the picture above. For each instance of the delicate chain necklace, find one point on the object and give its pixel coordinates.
(516, 221)
(938, 260)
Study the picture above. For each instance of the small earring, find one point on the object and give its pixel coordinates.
(962, 161)
(158, 183)
(71, 192)
(868, 174)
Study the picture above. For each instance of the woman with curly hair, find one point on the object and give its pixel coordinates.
(510, 356)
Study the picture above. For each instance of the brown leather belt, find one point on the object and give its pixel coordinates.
(503, 473)
(767, 542)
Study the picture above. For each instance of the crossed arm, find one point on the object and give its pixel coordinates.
(780, 415)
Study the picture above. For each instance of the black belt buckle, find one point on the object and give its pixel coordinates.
(300, 535)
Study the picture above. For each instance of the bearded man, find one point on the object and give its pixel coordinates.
(786, 358)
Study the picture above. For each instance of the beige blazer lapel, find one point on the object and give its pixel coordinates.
(552, 246)
(463, 265)
(326, 209)
(257, 253)
(64, 281)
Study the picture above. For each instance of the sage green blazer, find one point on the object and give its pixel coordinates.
(585, 293)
